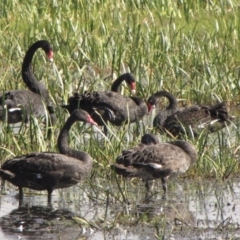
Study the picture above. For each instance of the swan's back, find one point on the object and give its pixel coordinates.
(25, 102)
(156, 160)
(109, 106)
(195, 118)
(25, 99)
(40, 171)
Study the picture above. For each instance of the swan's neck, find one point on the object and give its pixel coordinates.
(172, 107)
(188, 148)
(63, 143)
(138, 101)
(27, 72)
(116, 84)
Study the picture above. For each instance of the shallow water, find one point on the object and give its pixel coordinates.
(193, 210)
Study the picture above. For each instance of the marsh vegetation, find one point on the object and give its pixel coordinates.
(189, 48)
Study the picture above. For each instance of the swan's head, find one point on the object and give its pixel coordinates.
(131, 81)
(151, 103)
(133, 87)
(46, 46)
(50, 55)
(149, 139)
(91, 121)
(81, 115)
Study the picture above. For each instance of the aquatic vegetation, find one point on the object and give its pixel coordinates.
(190, 48)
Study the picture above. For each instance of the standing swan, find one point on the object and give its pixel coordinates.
(47, 170)
(110, 106)
(190, 120)
(152, 160)
(20, 104)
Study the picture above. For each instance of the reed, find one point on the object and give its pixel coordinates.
(190, 48)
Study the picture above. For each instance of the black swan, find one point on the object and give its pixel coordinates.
(110, 106)
(49, 170)
(190, 120)
(152, 160)
(18, 105)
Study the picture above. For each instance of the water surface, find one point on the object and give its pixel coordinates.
(193, 210)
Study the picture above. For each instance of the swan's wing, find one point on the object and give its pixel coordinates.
(190, 119)
(158, 156)
(42, 166)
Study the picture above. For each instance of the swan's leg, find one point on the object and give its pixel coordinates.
(164, 184)
(50, 190)
(20, 200)
(148, 196)
(149, 185)
(20, 193)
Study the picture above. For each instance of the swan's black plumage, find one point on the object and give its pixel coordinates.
(189, 120)
(152, 160)
(47, 170)
(18, 105)
(109, 106)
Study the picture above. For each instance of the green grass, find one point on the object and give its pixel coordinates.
(190, 48)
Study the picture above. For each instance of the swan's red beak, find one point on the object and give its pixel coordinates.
(150, 107)
(133, 87)
(90, 120)
(50, 55)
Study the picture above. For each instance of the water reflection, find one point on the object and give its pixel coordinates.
(37, 221)
(193, 210)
